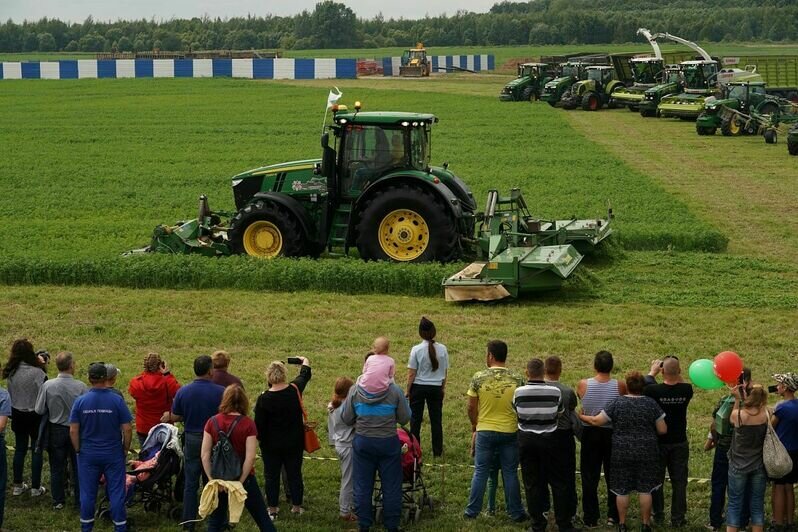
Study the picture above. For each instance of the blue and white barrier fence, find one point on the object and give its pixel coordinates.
(444, 63)
(281, 68)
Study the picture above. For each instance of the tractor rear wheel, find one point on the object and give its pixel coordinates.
(405, 223)
(591, 102)
(265, 230)
(792, 147)
(730, 127)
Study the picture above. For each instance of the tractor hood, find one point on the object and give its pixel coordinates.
(297, 176)
(523, 80)
(556, 82)
(273, 169)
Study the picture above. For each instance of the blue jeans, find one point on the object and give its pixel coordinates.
(91, 466)
(60, 450)
(757, 482)
(254, 505)
(506, 444)
(383, 455)
(720, 480)
(3, 477)
(192, 469)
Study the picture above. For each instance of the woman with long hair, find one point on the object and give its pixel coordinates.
(746, 468)
(25, 373)
(427, 370)
(243, 436)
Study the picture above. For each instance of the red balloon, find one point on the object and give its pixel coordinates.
(728, 367)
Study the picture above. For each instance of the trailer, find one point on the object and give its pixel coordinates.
(779, 72)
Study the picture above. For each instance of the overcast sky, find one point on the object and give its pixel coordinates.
(78, 10)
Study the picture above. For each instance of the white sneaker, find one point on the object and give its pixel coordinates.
(19, 489)
(38, 492)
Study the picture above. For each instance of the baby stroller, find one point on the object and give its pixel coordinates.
(414, 492)
(153, 480)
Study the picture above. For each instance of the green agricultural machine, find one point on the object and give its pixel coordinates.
(594, 92)
(744, 97)
(671, 84)
(571, 71)
(374, 190)
(528, 85)
(792, 140)
(645, 72)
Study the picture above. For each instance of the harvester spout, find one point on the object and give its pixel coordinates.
(689, 44)
(652, 40)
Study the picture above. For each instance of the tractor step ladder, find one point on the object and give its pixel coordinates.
(340, 226)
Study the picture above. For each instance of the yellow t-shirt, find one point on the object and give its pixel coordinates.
(495, 388)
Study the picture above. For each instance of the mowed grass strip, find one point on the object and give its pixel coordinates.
(334, 331)
(741, 185)
(93, 166)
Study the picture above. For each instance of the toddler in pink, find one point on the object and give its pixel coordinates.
(379, 368)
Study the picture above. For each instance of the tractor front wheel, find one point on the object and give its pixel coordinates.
(528, 95)
(406, 224)
(792, 147)
(264, 230)
(771, 136)
(552, 103)
(730, 127)
(591, 102)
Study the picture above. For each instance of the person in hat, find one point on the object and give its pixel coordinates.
(97, 420)
(153, 389)
(785, 420)
(426, 383)
(112, 372)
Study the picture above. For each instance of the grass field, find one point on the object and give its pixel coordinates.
(90, 167)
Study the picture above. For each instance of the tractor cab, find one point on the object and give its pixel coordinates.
(646, 70)
(748, 94)
(575, 70)
(601, 75)
(700, 77)
(533, 70)
(672, 74)
(369, 146)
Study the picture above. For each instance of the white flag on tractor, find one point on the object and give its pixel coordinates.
(333, 97)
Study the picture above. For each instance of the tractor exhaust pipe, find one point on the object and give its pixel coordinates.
(203, 209)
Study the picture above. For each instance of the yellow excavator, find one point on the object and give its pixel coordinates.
(415, 63)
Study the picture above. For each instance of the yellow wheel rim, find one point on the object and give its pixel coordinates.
(404, 235)
(263, 239)
(734, 127)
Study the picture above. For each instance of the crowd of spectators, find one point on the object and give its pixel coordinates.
(634, 429)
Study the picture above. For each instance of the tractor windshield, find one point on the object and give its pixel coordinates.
(738, 92)
(673, 76)
(368, 153)
(570, 70)
(594, 74)
(694, 77)
(417, 54)
(646, 72)
(420, 147)
(528, 71)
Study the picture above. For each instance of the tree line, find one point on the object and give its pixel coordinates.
(334, 25)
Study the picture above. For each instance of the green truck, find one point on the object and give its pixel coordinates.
(528, 84)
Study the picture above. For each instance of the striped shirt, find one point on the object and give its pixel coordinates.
(538, 405)
(597, 396)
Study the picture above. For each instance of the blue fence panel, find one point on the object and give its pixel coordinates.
(106, 68)
(223, 67)
(263, 68)
(31, 71)
(304, 68)
(143, 68)
(1, 70)
(449, 62)
(491, 62)
(387, 66)
(68, 69)
(346, 68)
(463, 61)
(434, 63)
(477, 63)
(184, 68)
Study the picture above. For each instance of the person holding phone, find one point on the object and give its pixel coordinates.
(153, 391)
(281, 432)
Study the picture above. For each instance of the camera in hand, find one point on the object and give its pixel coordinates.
(294, 360)
(773, 389)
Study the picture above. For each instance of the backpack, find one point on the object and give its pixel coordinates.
(225, 463)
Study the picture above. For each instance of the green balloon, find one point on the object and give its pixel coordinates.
(702, 373)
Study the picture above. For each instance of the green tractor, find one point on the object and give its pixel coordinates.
(570, 73)
(528, 85)
(792, 140)
(594, 92)
(671, 84)
(745, 97)
(374, 190)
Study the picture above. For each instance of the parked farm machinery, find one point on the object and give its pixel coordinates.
(745, 108)
(792, 140)
(571, 71)
(646, 72)
(529, 83)
(374, 190)
(594, 92)
(415, 63)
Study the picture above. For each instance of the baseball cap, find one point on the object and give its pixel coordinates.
(112, 371)
(98, 371)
